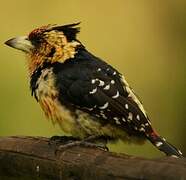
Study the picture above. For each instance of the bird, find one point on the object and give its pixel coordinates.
(87, 97)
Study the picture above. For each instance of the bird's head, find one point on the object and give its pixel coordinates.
(49, 43)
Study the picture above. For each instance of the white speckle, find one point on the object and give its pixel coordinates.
(174, 156)
(101, 83)
(93, 91)
(179, 152)
(107, 69)
(112, 82)
(90, 109)
(135, 128)
(146, 124)
(158, 144)
(138, 117)
(107, 87)
(37, 168)
(142, 125)
(116, 96)
(114, 73)
(97, 115)
(104, 106)
(123, 119)
(164, 139)
(103, 116)
(130, 116)
(117, 120)
(126, 106)
(142, 129)
(93, 81)
(99, 69)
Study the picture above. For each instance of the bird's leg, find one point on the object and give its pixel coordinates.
(91, 141)
(62, 139)
(82, 143)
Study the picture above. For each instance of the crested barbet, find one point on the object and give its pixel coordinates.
(88, 98)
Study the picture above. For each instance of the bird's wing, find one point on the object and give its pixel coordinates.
(104, 93)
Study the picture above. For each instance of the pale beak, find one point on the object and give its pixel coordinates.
(21, 43)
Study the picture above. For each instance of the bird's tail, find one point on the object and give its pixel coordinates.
(163, 145)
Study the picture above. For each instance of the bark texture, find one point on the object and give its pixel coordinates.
(33, 158)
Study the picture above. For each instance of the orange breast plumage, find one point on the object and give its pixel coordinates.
(47, 96)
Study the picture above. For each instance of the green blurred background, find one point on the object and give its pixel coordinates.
(145, 40)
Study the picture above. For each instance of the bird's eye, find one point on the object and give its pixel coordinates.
(36, 39)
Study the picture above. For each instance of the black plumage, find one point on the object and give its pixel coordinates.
(74, 83)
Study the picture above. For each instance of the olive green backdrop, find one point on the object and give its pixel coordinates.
(144, 39)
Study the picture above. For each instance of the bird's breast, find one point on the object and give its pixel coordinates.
(46, 93)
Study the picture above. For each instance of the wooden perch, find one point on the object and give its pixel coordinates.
(32, 158)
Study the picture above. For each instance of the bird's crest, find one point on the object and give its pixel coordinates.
(69, 30)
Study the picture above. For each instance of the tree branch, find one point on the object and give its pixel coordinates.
(33, 158)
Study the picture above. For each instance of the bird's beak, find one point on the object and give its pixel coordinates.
(21, 43)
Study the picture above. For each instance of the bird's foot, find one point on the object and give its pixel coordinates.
(83, 143)
(64, 142)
